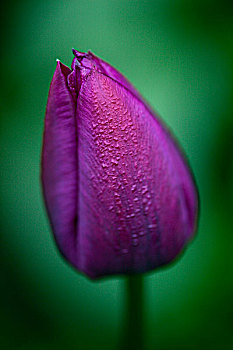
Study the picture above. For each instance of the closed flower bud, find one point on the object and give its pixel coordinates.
(118, 191)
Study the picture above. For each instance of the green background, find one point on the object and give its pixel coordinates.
(179, 55)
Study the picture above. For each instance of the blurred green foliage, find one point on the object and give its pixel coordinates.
(179, 54)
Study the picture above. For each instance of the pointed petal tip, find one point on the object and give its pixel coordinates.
(58, 62)
(78, 54)
(59, 65)
(62, 68)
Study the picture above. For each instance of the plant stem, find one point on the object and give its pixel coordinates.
(134, 316)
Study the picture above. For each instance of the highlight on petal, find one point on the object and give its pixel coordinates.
(120, 196)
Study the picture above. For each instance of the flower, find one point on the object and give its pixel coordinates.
(118, 191)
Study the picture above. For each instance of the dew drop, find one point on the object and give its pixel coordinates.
(133, 188)
(144, 189)
(114, 161)
(94, 125)
(152, 226)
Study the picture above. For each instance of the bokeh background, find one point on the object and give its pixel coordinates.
(179, 55)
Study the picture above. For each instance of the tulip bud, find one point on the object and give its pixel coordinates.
(118, 191)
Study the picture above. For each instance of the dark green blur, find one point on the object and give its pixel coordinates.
(179, 54)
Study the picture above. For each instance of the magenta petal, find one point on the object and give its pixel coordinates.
(119, 194)
(137, 200)
(59, 162)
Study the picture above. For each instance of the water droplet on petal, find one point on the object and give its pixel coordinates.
(133, 188)
(152, 226)
(114, 161)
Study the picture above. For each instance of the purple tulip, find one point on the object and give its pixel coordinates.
(119, 194)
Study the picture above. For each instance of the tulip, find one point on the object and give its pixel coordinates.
(119, 193)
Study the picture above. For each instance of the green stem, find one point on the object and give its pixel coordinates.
(134, 316)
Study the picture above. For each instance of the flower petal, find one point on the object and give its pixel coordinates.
(59, 162)
(137, 201)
